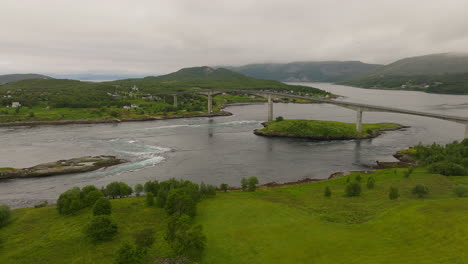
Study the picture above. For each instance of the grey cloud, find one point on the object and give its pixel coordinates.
(159, 36)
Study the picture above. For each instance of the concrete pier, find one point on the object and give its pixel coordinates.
(270, 108)
(466, 130)
(210, 103)
(175, 100)
(359, 120)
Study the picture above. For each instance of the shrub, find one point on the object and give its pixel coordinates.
(353, 189)
(152, 187)
(420, 190)
(101, 228)
(186, 239)
(180, 202)
(370, 182)
(87, 189)
(279, 119)
(327, 192)
(244, 184)
(102, 207)
(393, 193)
(144, 238)
(253, 181)
(40, 205)
(69, 202)
(162, 197)
(138, 189)
(358, 178)
(447, 168)
(224, 187)
(5, 214)
(461, 191)
(348, 179)
(129, 254)
(91, 198)
(149, 199)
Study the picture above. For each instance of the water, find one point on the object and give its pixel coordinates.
(222, 149)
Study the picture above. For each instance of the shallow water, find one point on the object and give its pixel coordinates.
(222, 149)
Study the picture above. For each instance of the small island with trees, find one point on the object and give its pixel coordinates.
(322, 130)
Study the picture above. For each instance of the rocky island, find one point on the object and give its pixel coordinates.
(75, 165)
(322, 130)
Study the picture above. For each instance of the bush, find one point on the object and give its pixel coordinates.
(461, 191)
(69, 202)
(358, 178)
(253, 181)
(144, 238)
(43, 204)
(5, 214)
(138, 189)
(129, 254)
(179, 202)
(420, 190)
(186, 239)
(370, 182)
(244, 184)
(102, 207)
(393, 193)
(149, 199)
(152, 187)
(353, 189)
(118, 189)
(224, 187)
(447, 168)
(91, 198)
(327, 192)
(101, 228)
(279, 119)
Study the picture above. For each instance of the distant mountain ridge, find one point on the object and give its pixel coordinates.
(8, 78)
(318, 71)
(434, 73)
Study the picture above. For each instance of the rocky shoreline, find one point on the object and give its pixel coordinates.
(111, 121)
(375, 133)
(75, 165)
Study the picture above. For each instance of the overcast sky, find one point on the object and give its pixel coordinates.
(161, 36)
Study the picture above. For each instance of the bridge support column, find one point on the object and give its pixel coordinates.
(175, 100)
(466, 130)
(210, 103)
(270, 108)
(359, 120)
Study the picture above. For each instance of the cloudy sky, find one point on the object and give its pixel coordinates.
(160, 36)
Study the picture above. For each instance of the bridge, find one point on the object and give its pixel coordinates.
(359, 108)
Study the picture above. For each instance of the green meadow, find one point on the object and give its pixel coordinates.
(292, 224)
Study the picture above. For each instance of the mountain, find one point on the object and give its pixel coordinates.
(206, 78)
(434, 73)
(95, 77)
(319, 71)
(18, 77)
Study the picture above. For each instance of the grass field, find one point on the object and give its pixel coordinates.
(317, 128)
(293, 224)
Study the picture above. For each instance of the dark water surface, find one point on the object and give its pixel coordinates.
(222, 149)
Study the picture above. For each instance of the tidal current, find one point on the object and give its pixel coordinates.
(223, 149)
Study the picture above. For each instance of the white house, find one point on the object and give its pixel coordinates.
(15, 104)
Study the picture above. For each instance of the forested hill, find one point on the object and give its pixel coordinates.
(207, 78)
(8, 78)
(435, 73)
(319, 71)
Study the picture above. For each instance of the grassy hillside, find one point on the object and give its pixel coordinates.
(320, 71)
(320, 129)
(8, 78)
(436, 73)
(294, 224)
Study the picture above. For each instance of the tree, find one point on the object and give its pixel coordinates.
(461, 191)
(69, 201)
(149, 199)
(152, 186)
(327, 192)
(186, 239)
(125, 189)
(224, 187)
(358, 178)
(138, 189)
(370, 182)
(162, 197)
(279, 119)
(393, 193)
(144, 238)
(102, 207)
(179, 202)
(101, 228)
(244, 184)
(353, 189)
(91, 198)
(5, 214)
(253, 181)
(113, 189)
(129, 254)
(420, 190)
(87, 189)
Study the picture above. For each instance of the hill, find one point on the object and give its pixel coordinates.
(8, 78)
(435, 73)
(319, 71)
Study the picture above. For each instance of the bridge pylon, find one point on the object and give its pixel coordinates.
(270, 108)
